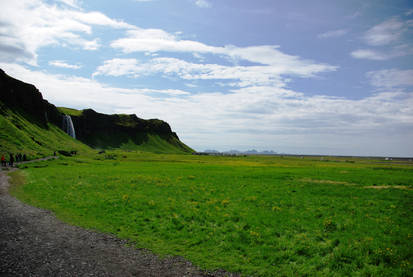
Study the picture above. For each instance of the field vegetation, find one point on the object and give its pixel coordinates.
(258, 215)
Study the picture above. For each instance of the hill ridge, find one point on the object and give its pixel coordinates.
(26, 117)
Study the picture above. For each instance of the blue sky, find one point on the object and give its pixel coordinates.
(305, 77)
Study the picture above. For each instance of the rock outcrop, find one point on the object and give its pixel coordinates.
(92, 128)
(111, 131)
(27, 100)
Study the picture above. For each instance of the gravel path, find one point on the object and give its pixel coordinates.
(34, 243)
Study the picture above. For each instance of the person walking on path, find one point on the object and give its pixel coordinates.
(3, 161)
(11, 159)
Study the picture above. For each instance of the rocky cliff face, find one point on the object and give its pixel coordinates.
(94, 129)
(102, 131)
(27, 100)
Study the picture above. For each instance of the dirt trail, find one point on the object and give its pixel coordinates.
(34, 243)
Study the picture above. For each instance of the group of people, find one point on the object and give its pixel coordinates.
(13, 158)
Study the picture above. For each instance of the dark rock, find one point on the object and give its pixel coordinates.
(111, 131)
(28, 101)
(64, 153)
(92, 128)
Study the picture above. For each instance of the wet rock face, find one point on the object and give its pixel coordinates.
(27, 99)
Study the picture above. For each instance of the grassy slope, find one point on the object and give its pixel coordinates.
(70, 111)
(265, 216)
(154, 143)
(18, 135)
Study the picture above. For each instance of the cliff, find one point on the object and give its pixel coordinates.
(120, 130)
(22, 105)
(26, 99)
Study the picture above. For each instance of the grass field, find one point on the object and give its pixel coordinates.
(261, 216)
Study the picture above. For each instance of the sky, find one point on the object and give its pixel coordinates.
(325, 77)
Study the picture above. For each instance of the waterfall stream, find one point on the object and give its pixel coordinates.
(68, 126)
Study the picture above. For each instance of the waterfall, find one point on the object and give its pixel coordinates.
(68, 126)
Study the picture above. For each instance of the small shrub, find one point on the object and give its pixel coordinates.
(329, 225)
(110, 157)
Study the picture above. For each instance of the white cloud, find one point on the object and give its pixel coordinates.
(156, 40)
(119, 67)
(369, 54)
(191, 85)
(245, 75)
(189, 71)
(199, 57)
(392, 38)
(175, 92)
(390, 78)
(271, 117)
(381, 55)
(82, 92)
(71, 3)
(35, 24)
(63, 64)
(203, 3)
(97, 18)
(333, 33)
(387, 32)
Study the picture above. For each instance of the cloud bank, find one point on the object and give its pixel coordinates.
(391, 37)
(35, 24)
(268, 115)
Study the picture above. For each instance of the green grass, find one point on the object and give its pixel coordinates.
(70, 111)
(148, 143)
(158, 145)
(19, 135)
(261, 216)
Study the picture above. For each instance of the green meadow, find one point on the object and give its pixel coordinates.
(257, 215)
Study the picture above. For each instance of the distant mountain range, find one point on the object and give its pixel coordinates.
(238, 152)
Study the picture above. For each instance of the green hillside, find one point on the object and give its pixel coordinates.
(31, 125)
(19, 135)
(123, 131)
(69, 111)
(156, 144)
